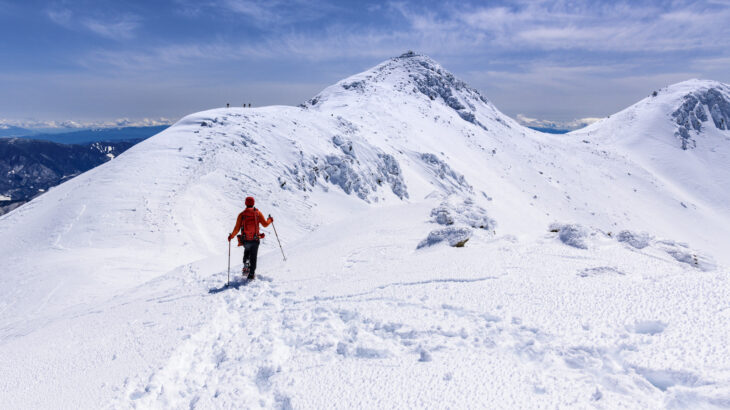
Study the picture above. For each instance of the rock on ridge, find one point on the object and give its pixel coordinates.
(699, 107)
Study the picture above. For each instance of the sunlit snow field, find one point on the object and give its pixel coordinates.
(593, 271)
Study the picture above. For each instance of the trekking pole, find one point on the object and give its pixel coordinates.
(229, 264)
(277, 238)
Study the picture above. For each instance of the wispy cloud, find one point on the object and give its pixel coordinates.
(261, 13)
(337, 44)
(156, 59)
(612, 26)
(120, 27)
(463, 32)
(61, 17)
(116, 29)
(712, 64)
(550, 73)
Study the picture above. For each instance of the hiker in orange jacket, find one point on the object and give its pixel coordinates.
(248, 224)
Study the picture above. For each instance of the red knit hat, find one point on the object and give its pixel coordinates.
(249, 201)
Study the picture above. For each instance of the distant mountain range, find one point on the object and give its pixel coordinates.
(29, 167)
(31, 163)
(7, 131)
(85, 135)
(550, 130)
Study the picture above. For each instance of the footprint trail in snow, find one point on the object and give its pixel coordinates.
(267, 347)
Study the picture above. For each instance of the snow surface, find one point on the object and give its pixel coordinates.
(594, 275)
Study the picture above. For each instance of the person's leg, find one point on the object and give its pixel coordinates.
(253, 257)
(246, 256)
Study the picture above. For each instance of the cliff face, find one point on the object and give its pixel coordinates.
(708, 106)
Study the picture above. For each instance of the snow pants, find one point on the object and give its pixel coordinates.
(250, 254)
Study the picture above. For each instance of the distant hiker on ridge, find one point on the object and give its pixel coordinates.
(248, 224)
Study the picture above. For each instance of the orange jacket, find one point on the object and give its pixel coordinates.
(262, 221)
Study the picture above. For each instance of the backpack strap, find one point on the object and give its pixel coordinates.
(256, 223)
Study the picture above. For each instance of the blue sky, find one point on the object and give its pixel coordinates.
(555, 60)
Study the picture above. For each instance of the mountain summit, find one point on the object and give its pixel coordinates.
(411, 75)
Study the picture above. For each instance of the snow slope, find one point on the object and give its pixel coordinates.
(582, 280)
(682, 135)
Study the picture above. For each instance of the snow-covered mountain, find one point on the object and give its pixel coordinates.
(588, 271)
(681, 135)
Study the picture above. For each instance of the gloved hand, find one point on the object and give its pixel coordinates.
(231, 236)
(270, 219)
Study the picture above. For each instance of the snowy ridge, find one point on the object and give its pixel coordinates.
(587, 273)
(680, 135)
